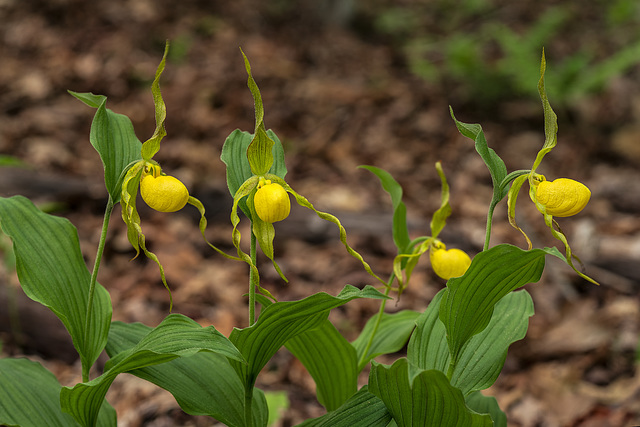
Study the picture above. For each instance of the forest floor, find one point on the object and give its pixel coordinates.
(338, 95)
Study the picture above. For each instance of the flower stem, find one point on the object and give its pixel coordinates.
(252, 281)
(487, 237)
(94, 277)
(248, 403)
(378, 320)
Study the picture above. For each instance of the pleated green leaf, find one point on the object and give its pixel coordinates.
(176, 336)
(52, 271)
(393, 333)
(114, 139)
(496, 166)
(281, 321)
(400, 229)
(363, 409)
(421, 398)
(469, 300)
(30, 397)
(483, 356)
(234, 156)
(203, 384)
(487, 405)
(331, 360)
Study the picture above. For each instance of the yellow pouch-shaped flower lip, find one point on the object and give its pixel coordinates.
(448, 263)
(562, 197)
(163, 193)
(271, 202)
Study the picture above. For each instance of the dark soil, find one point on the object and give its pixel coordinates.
(339, 93)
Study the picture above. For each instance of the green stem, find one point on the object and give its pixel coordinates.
(452, 367)
(378, 320)
(94, 278)
(252, 281)
(248, 403)
(487, 237)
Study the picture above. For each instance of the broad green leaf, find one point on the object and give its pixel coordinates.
(277, 402)
(114, 139)
(421, 398)
(496, 166)
(469, 300)
(330, 360)
(281, 321)
(90, 99)
(30, 397)
(152, 145)
(176, 336)
(234, 156)
(487, 405)
(52, 271)
(203, 384)
(400, 229)
(484, 354)
(392, 334)
(363, 409)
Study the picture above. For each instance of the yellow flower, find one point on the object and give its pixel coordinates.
(271, 202)
(562, 197)
(162, 192)
(448, 263)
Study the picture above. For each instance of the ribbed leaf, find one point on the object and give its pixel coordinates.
(487, 405)
(467, 304)
(30, 397)
(393, 333)
(282, 321)
(176, 336)
(421, 398)
(52, 272)
(203, 384)
(330, 360)
(483, 356)
(114, 139)
(400, 229)
(363, 409)
(496, 166)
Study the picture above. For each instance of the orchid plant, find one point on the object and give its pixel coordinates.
(455, 348)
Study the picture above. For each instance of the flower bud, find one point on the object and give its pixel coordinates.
(162, 192)
(562, 197)
(448, 263)
(271, 202)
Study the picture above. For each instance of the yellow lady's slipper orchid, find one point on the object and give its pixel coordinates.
(162, 192)
(271, 202)
(448, 263)
(562, 197)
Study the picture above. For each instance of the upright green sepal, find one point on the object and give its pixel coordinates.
(550, 118)
(259, 151)
(152, 145)
(439, 218)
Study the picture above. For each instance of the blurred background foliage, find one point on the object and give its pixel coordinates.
(485, 48)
